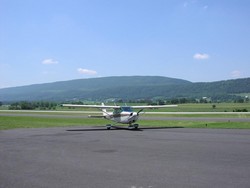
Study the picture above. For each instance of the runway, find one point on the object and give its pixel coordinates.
(148, 158)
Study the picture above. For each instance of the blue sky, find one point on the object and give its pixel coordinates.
(53, 40)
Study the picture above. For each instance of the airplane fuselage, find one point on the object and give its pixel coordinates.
(123, 117)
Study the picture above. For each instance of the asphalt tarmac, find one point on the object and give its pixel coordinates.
(147, 158)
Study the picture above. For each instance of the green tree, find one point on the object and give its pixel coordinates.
(174, 101)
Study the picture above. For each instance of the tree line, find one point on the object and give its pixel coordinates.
(46, 105)
(25, 105)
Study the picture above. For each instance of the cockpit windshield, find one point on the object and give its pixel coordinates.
(122, 109)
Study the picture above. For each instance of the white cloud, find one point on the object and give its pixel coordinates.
(236, 74)
(49, 61)
(86, 71)
(195, 5)
(199, 56)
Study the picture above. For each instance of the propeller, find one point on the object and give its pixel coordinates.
(139, 111)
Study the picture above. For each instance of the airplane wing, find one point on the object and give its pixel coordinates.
(90, 106)
(153, 106)
(117, 107)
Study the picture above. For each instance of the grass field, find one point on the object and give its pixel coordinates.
(13, 122)
(39, 119)
(17, 121)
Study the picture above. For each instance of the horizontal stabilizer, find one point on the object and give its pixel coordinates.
(90, 116)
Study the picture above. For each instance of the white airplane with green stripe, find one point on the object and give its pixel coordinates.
(120, 114)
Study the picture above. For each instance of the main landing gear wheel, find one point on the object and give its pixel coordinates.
(108, 126)
(135, 126)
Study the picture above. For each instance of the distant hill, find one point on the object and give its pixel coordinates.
(124, 87)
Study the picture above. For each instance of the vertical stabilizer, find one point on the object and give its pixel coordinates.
(104, 111)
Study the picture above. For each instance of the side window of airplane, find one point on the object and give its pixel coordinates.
(117, 111)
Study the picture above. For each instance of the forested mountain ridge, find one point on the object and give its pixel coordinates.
(125, 87)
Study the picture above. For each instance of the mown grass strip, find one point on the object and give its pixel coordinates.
(7, 122)
(14, 122)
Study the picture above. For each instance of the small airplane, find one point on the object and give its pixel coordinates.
(120, 114)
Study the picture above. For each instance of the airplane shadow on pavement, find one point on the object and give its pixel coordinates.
(115, 128)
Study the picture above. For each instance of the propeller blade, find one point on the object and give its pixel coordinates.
(139, 111)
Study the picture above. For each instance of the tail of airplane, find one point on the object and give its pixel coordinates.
(104, 111)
